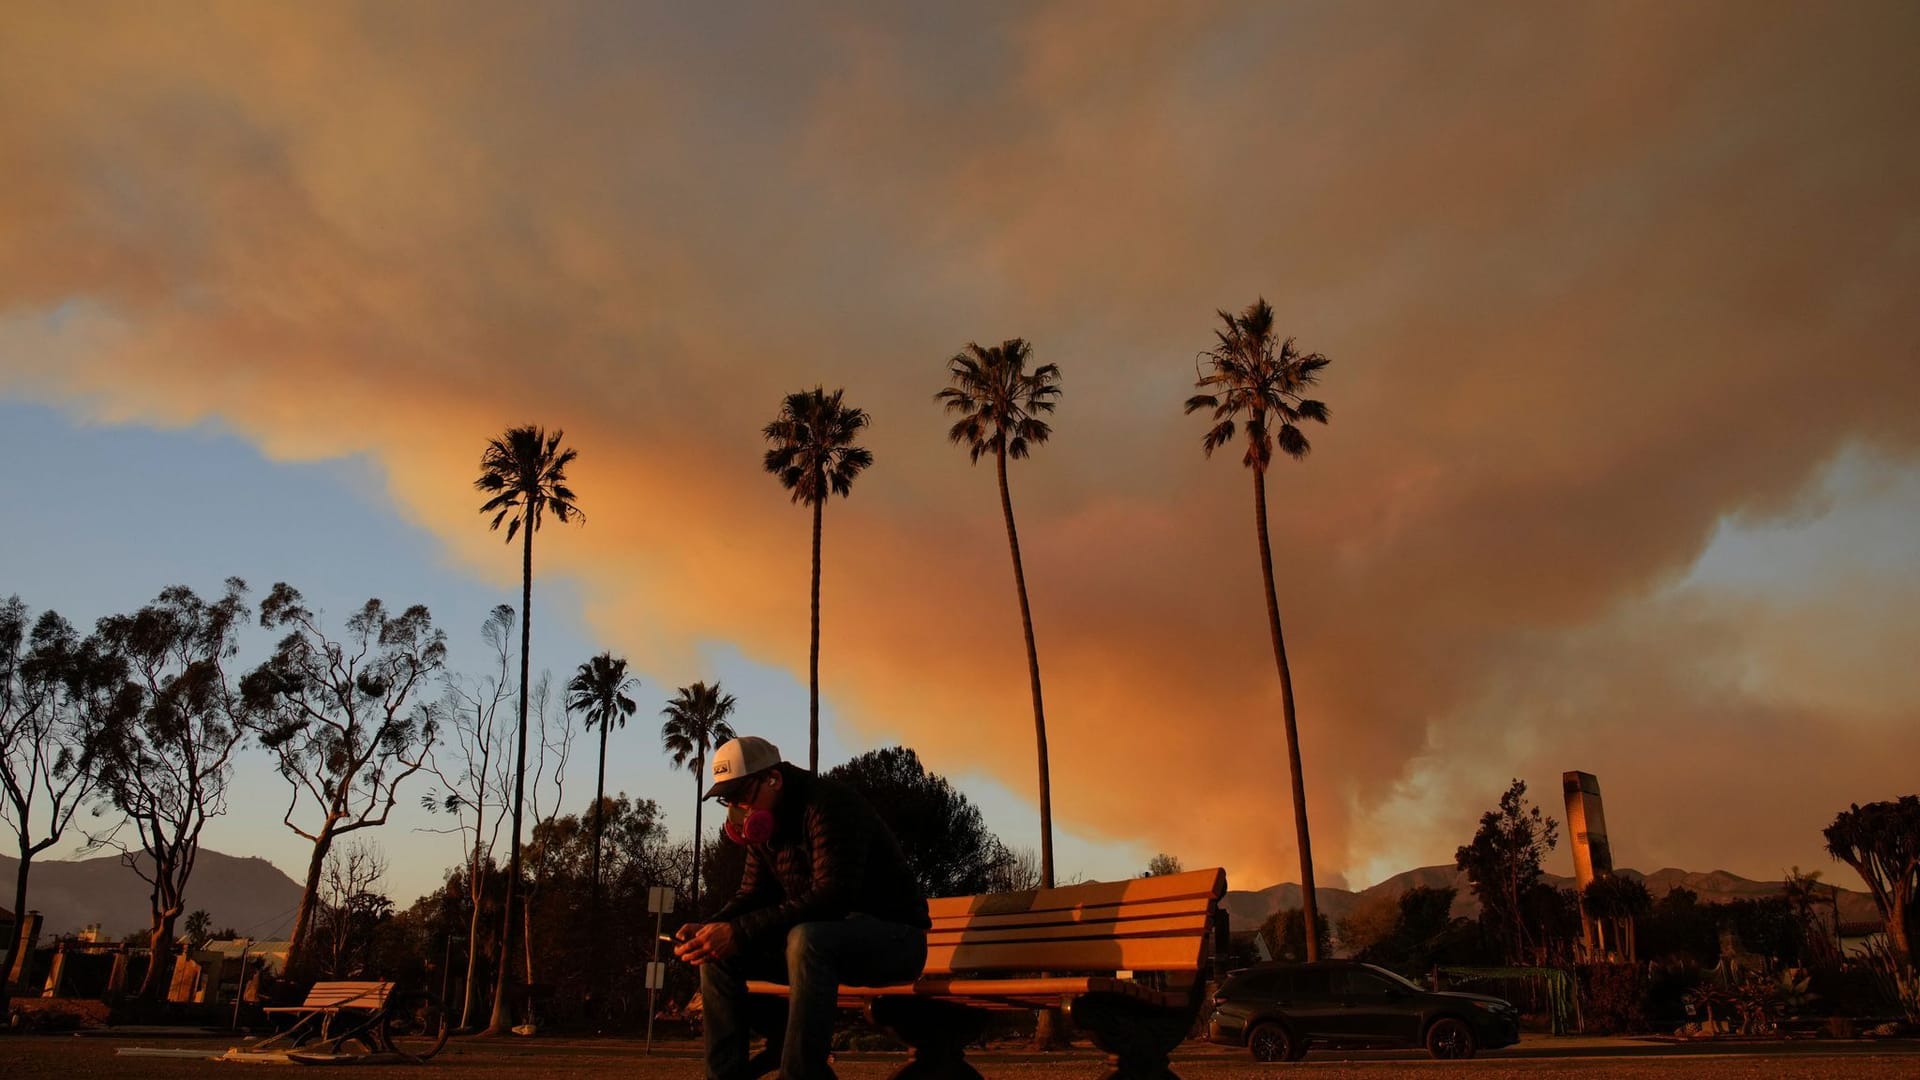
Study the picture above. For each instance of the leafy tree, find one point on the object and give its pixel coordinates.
(1285, 932)
(696, 723)
(814, 456)
(525, 473)
(1411, 932)
(1617, 904)
(1162, 864)
(1503, 865)
(594, 974)
(166, 763)
(1425, 933)
(57, 693)
(999, 404)
(947, 844)
(343, 721)
(1019, 872)
(1678, 926)
(1256, 379)
(1368, 927)
(1881, 841)
(1765, 926)
(601, 689)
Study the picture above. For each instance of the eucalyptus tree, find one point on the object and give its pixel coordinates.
(999, 403)
(602, 691)
(696, 723)
(57, 692)
(814, 456)
(1254, 379)
(344, 721)
(167, 761)
(524, 473)
(473, 774)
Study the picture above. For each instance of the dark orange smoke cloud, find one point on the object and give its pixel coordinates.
(1595, 283)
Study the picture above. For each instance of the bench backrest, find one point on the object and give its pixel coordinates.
(347, 995)
(1147, 924)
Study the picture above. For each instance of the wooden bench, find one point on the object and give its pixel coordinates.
(336, 1013)
(1123, 958)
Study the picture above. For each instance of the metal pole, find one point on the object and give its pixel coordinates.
(240, 986)
(653, 994)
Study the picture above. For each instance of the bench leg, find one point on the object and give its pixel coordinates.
(1137, 1037)
(938, 1032)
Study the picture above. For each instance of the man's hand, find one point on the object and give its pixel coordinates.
(700, 943)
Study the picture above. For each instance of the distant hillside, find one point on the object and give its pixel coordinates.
(1248, 909)
(251, 895)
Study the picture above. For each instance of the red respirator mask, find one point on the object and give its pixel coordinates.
(747, 825)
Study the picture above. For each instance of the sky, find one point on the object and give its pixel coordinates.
(1621, 475)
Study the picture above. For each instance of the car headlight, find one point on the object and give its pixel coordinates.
(1497, 1008)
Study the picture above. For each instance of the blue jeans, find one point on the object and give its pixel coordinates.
(819, 958)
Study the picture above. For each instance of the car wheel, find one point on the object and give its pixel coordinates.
(1272, 1041)
(1450, 1038)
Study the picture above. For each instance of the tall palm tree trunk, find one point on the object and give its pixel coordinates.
(599, 821)
(813, 660)
(1033, 674)
(699, 777)
(1049, 1028)
(596, 962)
(502, 1017)
(1309, 903)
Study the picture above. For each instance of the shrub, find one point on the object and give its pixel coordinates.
(1612, 997)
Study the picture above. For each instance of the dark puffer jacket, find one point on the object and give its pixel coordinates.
(830, 857)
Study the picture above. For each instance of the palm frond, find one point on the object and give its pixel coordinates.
(1253, 376)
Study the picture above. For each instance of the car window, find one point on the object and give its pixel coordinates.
(1359, 982)
(1396, 978)
(1256, 984)
(1310, 983)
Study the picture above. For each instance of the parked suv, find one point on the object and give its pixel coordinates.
(1279, 1010)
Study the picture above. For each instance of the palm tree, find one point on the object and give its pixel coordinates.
(1252, 378)
(696, 723)
(525, 471)
(814, 456)
(599, 689)
(999, 400)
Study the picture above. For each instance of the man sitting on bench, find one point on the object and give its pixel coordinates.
(826, 899)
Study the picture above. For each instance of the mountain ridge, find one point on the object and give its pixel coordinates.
(1248, 908)
(244, 892)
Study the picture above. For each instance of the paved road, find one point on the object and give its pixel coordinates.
(69, 1058)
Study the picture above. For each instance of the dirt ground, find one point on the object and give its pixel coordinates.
(67, 1057)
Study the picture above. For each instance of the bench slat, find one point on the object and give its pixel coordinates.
(1070, 916)
(1179, 926)
(358, 995)
(1109, 954)
(1209, 884)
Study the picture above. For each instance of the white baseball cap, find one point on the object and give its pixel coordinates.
(740, 758)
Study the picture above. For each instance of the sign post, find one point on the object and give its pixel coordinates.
(660, 905)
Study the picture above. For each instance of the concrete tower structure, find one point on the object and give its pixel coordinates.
(1592, 856)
